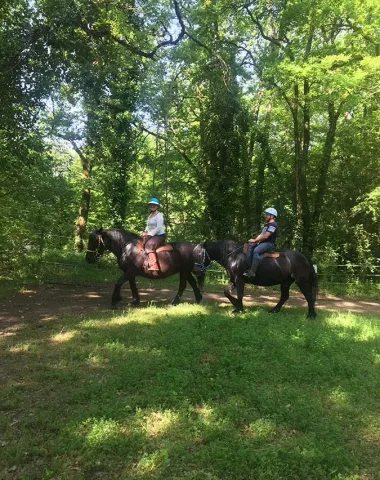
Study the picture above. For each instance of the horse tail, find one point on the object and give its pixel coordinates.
(201, 279)
(313, 279)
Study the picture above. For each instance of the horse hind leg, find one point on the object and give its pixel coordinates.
(306, 288)
(284, 296)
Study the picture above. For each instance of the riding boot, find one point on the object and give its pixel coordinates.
(152, 260)
(251, 272)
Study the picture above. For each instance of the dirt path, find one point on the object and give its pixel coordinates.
(49, 301)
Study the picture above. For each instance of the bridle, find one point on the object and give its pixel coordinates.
(96, 251)
(202, 260)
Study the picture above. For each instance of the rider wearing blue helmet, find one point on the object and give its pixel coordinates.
(264, 241)
(154, 233)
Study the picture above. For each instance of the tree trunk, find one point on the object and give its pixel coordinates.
(301, 138)
(323, 172)
(81, 223)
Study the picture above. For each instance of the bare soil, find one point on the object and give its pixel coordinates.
(47, 302)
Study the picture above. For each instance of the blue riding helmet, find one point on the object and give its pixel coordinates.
(271, 211)
(154, 201)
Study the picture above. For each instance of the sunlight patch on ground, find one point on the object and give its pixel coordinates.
(263, 428)
(338, 397)
(62, 337)
(355, 326)
(157, 423)
(206, 414)
(98, 431)
(150, 315)
(104, 354)
(22, 348)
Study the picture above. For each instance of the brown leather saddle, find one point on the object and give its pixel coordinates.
(268, 254)
(162, 248)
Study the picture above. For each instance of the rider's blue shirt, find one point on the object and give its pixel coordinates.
(271, 228)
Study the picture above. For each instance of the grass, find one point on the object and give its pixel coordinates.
(191, 392)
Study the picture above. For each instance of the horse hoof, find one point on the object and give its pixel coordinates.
(312, 315)
(134, 303)
(175, 302)
(115, 300)
(237, 310)
(274, 310)
(199, 299)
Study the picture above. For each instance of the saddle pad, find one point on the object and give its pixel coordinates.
(271, 254)
(164, 248)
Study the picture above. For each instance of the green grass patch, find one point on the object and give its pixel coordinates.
(191, 392)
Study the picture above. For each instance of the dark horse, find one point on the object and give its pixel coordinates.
(289, 266)
(126, 246)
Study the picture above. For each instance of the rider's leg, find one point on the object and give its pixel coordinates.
(150, 248)
(258, 254)
(152, 261)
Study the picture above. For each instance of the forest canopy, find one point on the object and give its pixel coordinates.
(220, 109)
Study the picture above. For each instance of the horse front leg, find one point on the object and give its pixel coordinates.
(284, 296)
(194, 286)
(181, 288)
(116, 295)
(135, 293)
(236, 302)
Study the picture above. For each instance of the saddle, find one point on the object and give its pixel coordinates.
(162, 248)
(268, 254)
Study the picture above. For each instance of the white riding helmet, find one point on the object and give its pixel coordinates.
(271, 211)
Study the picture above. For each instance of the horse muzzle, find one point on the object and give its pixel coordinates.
(91, 257)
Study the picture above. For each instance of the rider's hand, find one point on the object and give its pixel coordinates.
(251, 240)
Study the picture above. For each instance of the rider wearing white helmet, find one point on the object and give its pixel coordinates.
(264, 241)
(154, 233)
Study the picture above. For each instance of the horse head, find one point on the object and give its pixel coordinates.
(201, 259)
(95, 246)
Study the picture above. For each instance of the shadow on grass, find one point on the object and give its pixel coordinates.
(192, 393)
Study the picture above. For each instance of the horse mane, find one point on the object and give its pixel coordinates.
(122, 236)
(226, 247)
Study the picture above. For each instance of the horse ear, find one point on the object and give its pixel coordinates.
(99, 231)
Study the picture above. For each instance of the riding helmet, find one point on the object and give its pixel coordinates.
(154, 200)
(271, 211)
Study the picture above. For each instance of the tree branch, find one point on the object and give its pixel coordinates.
(176, 148)
(255, 20)
(138, 51)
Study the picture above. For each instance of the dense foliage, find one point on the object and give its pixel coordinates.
(218, 108)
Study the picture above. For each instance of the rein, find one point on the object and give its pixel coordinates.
(236, 249)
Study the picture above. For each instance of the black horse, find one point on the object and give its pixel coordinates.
(289, 266)
(176, 257)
